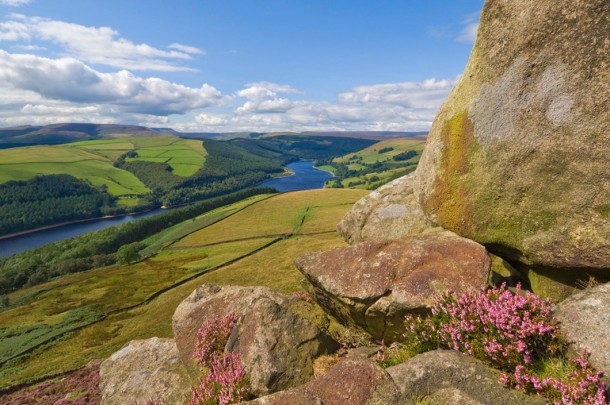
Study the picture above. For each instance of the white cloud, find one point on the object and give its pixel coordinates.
(42, 88)
(406, 106)
(187, 49)
(98, 45)
(468, 33)
(15, 3)
(211, 119)
(470, 26)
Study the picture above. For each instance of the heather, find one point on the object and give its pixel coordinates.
(223, 378)
(515, 332)
(77, 388)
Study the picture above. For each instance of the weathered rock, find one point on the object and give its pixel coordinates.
(585, 317)
(390, 212)
(143, 370)
(517, 157)
(447, 376)
(373, 285)
(276, 346)
(350, 381)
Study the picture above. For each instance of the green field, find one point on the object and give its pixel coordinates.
(93, 161)
(238, 244)
(368, 168)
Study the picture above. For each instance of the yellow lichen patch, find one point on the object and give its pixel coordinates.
(449, 200)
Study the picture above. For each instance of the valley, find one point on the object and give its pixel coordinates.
(62, 324)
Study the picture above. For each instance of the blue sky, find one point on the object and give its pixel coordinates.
(233, 65)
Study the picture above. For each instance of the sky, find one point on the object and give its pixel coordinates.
(233, 65)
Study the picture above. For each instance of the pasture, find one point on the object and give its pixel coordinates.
(106, 307)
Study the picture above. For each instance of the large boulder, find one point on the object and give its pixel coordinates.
(350, 381)
(144, 370)
(450, 377)
(276, 346)
(517, 157)
(585, 317)
(390, 212)
(373, 285)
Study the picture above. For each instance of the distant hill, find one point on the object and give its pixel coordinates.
(373, 135)
(56, 134)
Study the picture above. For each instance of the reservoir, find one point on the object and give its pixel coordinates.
(305, 177)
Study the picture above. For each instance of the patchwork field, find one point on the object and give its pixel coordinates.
(90, 315)
(93, 161)
(376, 164)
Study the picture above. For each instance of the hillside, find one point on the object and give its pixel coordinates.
(55, 134)
(63, 324)
(136, 173)
(375, 165)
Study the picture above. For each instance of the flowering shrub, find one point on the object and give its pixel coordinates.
(514, 332)
(223, 380)
(302, 295)
(212, 337)
(583, 385)
(497, 326)
(77, 388)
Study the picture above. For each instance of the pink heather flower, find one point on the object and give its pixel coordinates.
(224, 379)
(213, 335)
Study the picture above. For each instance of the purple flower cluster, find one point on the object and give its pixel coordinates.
(503, 328)
(302, 295)
(77, 388)
(212, 337)
(583, 386)
(223, 380)
(513, 332)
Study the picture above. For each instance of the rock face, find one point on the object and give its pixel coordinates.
(350, 381)
(373, 285)
(585, 317)
(390, 212)
(446, 376)
(143, 370)
(276, 346)
(517, 156)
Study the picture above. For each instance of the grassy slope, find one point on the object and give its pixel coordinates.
(371, 155)
(92, 161)
(308, 219)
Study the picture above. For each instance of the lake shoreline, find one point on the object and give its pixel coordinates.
(77, 221)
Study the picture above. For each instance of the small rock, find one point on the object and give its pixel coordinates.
(143, 370)
(585, 317)
(446, 376)
(373, 285)
(390, 212)
(350, 381)
(276, 346)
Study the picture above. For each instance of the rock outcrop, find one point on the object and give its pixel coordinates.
(275, 345)
(144, 370)
(446, 376)
(350, 381)
(585, 317)
(373, 285)
(517, 156)
(390, 212)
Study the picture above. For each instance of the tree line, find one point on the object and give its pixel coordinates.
(97, 249)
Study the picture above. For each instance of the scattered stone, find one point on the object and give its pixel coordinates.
(390, 212)
(144, 370)
(350, 381)
(276, 346)
(446, 376)
(373, 285)
(517, 157)
(585, 317)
